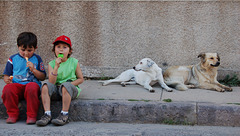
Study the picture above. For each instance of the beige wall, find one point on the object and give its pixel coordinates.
(109, 37)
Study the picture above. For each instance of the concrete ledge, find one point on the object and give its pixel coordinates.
(144, 112)
(218, 115)
(132, 112)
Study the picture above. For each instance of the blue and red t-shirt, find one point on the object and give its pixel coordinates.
(16, 66)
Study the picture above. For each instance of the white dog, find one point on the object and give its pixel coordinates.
(145, 73)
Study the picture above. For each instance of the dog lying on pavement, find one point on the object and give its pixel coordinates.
(145, 73)
(202, 75)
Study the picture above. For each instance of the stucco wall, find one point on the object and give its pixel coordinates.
(111, 36)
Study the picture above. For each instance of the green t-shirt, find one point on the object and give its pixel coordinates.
(66, 71)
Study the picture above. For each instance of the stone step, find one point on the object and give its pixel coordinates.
(119, 111)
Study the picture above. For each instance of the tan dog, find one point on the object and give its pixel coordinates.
(203, 75)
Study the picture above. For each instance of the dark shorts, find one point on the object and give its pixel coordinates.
(55, 91)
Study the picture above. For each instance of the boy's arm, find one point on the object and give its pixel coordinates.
(8, 71)
(38, 74)
(52, 74)
(79, 76)
(7, 80)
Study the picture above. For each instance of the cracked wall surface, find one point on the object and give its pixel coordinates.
(109, 37)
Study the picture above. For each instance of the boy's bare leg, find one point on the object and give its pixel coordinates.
(66, 99)
(62, 119)
(45, 98)
(46, 118)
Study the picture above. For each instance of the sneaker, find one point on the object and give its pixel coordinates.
(45, 119)
(31, 120)
(60, 120)
(11, 120)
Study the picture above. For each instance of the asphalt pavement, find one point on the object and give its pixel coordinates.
(114, 129)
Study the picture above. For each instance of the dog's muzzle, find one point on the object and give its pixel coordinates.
(216, 65)
(135, 69)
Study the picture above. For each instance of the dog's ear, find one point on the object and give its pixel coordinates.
(218, 57)
(150, 63)
(202, 56)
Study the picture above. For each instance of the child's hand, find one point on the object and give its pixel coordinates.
(7, 79)
(30, 65)
(58, 62)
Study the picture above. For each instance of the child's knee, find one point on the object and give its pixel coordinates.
(8, 89)
(32, 88)
(64, 90)
(44, 89)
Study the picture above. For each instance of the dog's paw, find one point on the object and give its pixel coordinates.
(123, 84)
(191, 86)
(151, 91)
(220, 89)
(229, 89)
(170, 90)
(104, 84)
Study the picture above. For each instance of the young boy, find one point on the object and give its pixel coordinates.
(64, 77)
(21, 75)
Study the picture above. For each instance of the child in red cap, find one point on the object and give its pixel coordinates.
(22, 74)
(64, 77)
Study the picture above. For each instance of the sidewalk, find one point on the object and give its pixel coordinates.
(94, 90)
(133, 103)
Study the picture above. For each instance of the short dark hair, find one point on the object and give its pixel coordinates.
(58, 42)
(27, 39)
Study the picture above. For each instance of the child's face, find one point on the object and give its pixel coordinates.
(62, 48)
(26, 52)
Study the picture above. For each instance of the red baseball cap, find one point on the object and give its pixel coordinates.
(64, 39)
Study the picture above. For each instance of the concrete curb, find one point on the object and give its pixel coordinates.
(218, 115)
(145, 112)
(134, 112)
